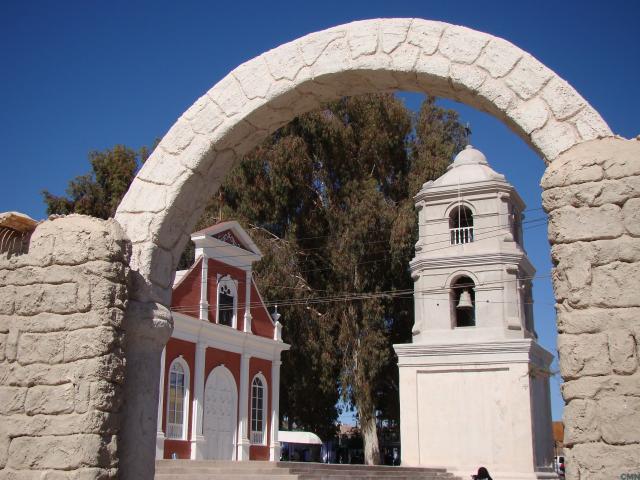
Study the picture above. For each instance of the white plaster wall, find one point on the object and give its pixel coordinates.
(542, 429)
(474, 404)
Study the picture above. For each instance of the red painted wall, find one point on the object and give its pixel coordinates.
(175, 348)
(261, 323)
(187, 294)
(258, 452)
(179, 447)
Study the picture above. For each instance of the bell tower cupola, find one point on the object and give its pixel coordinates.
(471, 272)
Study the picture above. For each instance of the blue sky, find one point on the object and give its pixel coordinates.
(85, 75)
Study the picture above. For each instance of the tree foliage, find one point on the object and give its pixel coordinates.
(335, 187)
(328, 198)
(99, 193)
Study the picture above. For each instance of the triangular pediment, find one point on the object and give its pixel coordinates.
(228, 236)
(230, 233)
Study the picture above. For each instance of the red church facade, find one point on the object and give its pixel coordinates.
(220, 370)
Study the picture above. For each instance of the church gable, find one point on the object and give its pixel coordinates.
(224, 238)
(228, 236)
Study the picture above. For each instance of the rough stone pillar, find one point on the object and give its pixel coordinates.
(592, 194)
(61, 358)
(147, 328)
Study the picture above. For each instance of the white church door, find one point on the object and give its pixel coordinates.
(220, 414)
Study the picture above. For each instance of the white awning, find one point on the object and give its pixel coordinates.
(308, 438)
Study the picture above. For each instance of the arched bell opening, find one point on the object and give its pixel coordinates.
(461, 225)
(463, 301)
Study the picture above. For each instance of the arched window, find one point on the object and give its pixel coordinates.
(258, 402)
(227, 301)
(463, 302)
(461, 225)
(178, 400)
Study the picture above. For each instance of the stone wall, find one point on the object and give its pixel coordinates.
(592, 194)
(61, 358)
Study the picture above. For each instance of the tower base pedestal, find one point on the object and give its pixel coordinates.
(477, 404)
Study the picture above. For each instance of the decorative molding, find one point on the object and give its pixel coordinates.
(186, 400)
(486, 189)
(228, 237)
(506, 351)
(231, 285)
(521, 259)
(225, 338)
(266, 389)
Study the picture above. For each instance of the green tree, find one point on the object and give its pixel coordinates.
(329, 200)
(335, 188)
(99, 193)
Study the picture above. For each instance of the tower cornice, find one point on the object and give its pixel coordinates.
(491, 188)
(520, 259)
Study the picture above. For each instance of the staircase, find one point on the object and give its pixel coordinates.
(218, 470)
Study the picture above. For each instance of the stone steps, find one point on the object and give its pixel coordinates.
(218, 470)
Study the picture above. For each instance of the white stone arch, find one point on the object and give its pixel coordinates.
(486, 72)
(451, 279)
(265, 408)
(180, 361)
(169, 193)
(459, 203)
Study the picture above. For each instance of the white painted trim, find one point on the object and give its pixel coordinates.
(489, 188)
(192, 330)
(242, 449)
(159, 432)
(479, 353)
(247, 297)
(185, 401)
(204, 288)
(459, 202)
(232, 284)
(519, 259)
(265, 404)
(274, 443)
(456, 275)
(197, 440)
(223, 370)
(207, 235)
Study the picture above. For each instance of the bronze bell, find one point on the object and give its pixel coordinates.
(465, 300)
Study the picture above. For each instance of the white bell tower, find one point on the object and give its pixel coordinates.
(474, 384)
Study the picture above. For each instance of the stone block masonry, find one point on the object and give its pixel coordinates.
(61, 351)
(592, 193)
